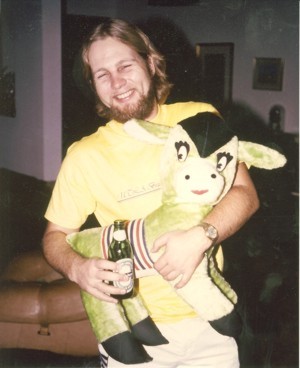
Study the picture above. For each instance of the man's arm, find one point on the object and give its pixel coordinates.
(92, 275)
(185, 249)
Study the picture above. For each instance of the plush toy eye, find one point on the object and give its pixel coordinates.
(187, 177)
(183, 150)
(223, 160)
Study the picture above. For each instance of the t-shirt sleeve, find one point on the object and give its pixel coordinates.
(71, 201)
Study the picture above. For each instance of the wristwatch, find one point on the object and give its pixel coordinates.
(210, 231)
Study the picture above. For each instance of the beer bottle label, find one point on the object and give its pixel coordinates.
(125, 267)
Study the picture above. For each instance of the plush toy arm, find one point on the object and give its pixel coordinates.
(260, 156)
(147, 132)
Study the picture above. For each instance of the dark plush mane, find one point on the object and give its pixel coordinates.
(208, 131)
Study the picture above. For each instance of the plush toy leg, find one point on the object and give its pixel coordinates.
(125, 349)
(108, 320)
(229, 325)
(142, 326)
(204, 296)
(209, 301)
(113, 332)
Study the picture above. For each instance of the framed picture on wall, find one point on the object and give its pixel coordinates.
(216, 69)
(268, 73)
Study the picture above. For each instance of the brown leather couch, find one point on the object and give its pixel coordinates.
(39, 308)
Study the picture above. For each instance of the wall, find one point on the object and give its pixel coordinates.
(30, 143)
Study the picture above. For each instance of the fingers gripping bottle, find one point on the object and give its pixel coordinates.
(120, 251)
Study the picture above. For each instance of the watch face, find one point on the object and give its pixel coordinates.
(212, 232)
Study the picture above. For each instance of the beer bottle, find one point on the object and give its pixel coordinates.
(120, 251)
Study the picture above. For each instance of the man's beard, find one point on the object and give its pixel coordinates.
(141, 110)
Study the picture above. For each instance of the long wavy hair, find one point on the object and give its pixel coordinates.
(132, 36)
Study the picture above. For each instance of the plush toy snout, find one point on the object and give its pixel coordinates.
(198, 181)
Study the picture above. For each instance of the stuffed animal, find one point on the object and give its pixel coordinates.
(197, 169)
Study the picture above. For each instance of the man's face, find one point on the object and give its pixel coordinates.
(122, 80)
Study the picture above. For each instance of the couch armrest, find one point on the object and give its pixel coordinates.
(30, 266)
(43, 303)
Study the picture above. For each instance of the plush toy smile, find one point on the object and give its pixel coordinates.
(199, 192)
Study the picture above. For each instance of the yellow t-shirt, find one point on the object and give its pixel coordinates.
(114, 176)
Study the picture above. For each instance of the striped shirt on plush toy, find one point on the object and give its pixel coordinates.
(136, 235)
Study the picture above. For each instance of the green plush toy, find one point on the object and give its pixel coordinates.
(198, 167)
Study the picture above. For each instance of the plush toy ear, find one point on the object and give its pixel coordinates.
(260, 156)
(147, 132)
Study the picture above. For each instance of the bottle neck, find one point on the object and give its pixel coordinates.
(119, 230)
(119, 234)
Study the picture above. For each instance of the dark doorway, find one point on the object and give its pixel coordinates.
(216, 70)
(78, 105)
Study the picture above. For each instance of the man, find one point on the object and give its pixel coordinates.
(113, 176)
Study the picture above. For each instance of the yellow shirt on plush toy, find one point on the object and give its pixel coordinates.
(115, 176)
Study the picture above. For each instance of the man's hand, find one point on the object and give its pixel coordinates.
(184, 251)
(94, 276)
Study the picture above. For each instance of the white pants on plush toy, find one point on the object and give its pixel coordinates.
(194, 343)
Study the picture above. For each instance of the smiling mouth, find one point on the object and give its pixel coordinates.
(200, 192)
(124, 96)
